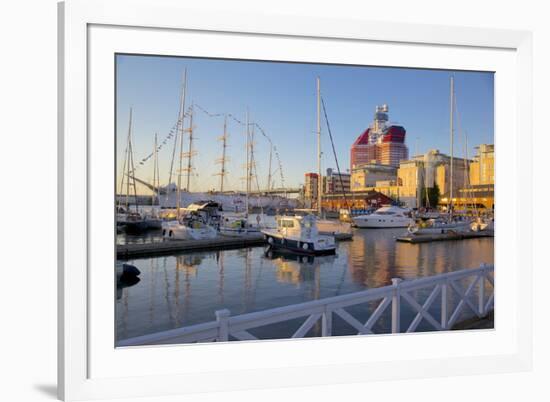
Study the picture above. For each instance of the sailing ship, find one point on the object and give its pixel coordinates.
(189, 224)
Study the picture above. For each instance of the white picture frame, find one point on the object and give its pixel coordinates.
(88, 370)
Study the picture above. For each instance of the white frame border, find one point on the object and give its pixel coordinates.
(74, 18)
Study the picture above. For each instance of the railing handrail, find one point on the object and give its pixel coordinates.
(242, 322)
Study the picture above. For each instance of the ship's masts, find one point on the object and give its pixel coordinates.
(452, 144)
(181, 119)
(190, 155)
(224, 146)
(269, 170)
(247, 162)
(320, 178)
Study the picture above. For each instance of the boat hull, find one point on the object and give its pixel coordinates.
(297, 246)
(372, 223)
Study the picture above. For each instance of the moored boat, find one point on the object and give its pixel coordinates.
(385, 217)
(299, 234)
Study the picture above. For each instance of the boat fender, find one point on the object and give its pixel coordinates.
(270, 240)
(305, 246)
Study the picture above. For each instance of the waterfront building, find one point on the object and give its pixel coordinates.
(335, 183)
(360, 200)
(480, 191)
(365, 176)
(426, 171)
(482, 169)
(311, 187)
(381, 143)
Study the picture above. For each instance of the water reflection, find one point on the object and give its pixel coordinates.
(187, 289)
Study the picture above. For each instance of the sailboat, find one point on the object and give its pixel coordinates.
(152, 219)
(448, 223)
(309, 233)
(191, 224)
(131, 221)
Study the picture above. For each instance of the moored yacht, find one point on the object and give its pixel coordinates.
(188, 227)
(299, 234)
(385, 217)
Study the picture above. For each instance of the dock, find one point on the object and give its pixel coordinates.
(416, 239)
(177, 246)
(182, 246)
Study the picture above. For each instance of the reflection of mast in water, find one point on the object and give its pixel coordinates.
(189, 264)
(221, 266)
(167, 294)
(152, 290)
(247, 280)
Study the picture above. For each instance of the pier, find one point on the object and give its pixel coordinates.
(427, 238)
(473, 290)
(175, 246)
(136, 250)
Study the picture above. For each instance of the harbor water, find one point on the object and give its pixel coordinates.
(186, 289)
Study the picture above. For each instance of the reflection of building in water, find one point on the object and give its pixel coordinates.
(189, 263)
(370, 262)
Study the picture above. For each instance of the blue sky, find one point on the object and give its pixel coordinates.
(281, 98)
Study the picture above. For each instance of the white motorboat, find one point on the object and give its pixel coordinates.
(299, 234)
(188, 228)
(385, 217)
(482, 224)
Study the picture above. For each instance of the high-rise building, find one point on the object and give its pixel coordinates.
(381, 143)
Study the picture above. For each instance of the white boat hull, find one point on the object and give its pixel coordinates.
(369, 221)
(177, 231)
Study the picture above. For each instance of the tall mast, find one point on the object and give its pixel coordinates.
(155, 172)
(269, 169)
(223, 159)
(452, 143)
(126, 163)
(131, 167)
(320, 178)
(247, 162)
(181, 118)
(191, 152)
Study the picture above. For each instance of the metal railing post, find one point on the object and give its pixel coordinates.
(396, 307)
(326, 323)
(481, 293)
(222, 317)
(444, 305)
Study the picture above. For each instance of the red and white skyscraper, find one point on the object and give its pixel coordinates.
(381, 143)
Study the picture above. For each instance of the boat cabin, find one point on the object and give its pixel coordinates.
(298, 226)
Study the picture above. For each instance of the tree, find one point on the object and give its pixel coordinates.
(430, 196)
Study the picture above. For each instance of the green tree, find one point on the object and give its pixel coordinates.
(430, 196)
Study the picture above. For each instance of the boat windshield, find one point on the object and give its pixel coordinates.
(286, 223)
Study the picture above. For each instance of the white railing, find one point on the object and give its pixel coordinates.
(227, 327)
